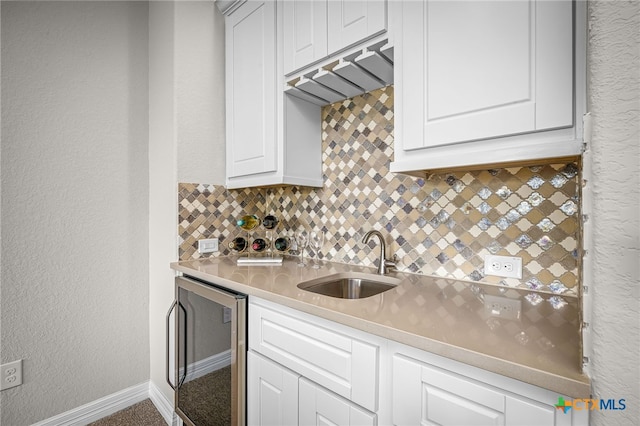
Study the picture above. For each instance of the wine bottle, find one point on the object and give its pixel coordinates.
(238, 244)
(248, 222)
(281, 244)
(270, 222)
(259, 244)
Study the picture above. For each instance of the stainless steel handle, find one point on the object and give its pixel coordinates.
(173, 306)
(184, 336)
(180, 380)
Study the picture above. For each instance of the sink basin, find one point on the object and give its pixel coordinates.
(350, 285)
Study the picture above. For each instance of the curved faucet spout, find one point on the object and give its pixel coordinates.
(384, 263)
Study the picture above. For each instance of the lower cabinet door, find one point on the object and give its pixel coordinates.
(521, 412)
(320, 407)
(272, 393)
(423, 395)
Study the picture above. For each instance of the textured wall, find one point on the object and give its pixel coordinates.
(186, 138)
(162, 184)
(614, 65)
(74, 203)
(199, 92)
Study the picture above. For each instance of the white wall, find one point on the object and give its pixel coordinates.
(186, 139)
(74, 272)
(614, 66)
(163, 199)
(199, 85)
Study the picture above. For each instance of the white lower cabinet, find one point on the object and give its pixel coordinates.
(425, 394)
(528, 412)
(318, 406)
(307, 370)
(322, 351)
(273, 392)
(277, 396)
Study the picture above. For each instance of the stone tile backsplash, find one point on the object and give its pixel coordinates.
(442, 225)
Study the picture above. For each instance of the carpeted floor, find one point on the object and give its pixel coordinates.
(207, 400)
(141, 414)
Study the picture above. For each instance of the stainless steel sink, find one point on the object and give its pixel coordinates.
(350, 285)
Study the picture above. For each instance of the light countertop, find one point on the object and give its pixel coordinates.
(443, 316)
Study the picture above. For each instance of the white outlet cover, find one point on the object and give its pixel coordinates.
(502, 307)
(11, 374)
(226, 314)
(208, 246)
(503, 266)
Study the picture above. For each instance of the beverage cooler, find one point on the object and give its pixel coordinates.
(209, 352)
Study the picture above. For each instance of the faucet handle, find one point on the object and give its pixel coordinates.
(393, 263)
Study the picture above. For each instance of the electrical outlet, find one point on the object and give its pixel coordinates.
(503, 266)
(11, 374)
(502, 307)
(207, 246)
(226, 314)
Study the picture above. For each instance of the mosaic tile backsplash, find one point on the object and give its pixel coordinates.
(443, 225)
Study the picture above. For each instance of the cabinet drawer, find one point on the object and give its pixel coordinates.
(463, 387)
(447, 408)
(306, 345)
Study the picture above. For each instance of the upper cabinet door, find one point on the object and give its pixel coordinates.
(352, 21)
(493, 69)
(487, 82)
(314, 29)
(251, 89)
(305, 33)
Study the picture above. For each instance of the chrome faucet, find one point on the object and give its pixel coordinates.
(385, 264)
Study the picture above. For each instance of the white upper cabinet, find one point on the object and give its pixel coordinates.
(251, 94)
(305, 33)
(487, 74)
(271, 139)
(472, 77)
(316, 29)
(351, 21)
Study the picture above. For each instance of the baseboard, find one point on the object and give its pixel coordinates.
(207, 365)
(100, 408)
(164, 406)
